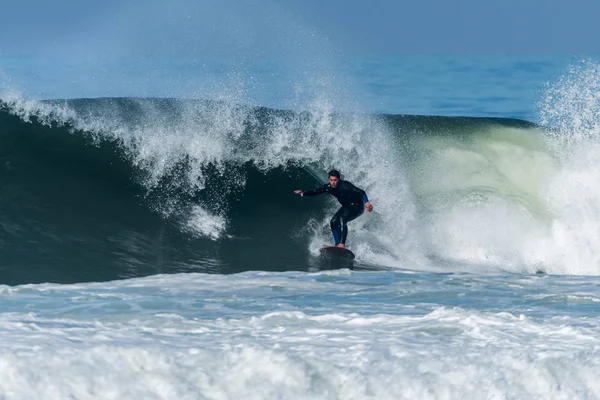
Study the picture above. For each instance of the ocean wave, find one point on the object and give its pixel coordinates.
(111, 188)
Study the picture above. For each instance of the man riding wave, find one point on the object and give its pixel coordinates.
(354, 201)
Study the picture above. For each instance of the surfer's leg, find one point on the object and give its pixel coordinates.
(348, 215)
(336, 226)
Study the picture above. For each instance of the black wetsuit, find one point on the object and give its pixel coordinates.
(353, 201)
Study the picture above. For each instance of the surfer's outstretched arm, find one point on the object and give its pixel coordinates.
(314, 192)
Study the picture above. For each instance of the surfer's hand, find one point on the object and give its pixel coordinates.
(369, 206)
(299, 193)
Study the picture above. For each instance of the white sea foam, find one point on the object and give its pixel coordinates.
(265, 335)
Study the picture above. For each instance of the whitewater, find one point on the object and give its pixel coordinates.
(323, 335)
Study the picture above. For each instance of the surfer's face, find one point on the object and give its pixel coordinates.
(333, 181)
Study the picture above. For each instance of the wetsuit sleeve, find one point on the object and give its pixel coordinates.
(317, 191)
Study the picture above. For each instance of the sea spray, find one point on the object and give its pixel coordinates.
(571, 111)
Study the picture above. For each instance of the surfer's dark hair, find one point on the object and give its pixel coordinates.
(335, 172)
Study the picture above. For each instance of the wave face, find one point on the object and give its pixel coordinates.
(113, 188)
(101, 189)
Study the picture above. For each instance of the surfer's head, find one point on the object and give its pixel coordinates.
(334, 178)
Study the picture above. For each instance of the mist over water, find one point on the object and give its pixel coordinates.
(230, 51)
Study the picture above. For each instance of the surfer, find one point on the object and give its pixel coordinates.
(353, 200)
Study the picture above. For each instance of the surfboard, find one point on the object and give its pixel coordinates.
(341, 252)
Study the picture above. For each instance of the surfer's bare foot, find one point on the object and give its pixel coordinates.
(340, 245)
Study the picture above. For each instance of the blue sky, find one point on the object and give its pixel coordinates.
(353, 27)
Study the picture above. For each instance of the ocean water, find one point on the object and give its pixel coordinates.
(152, 247)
